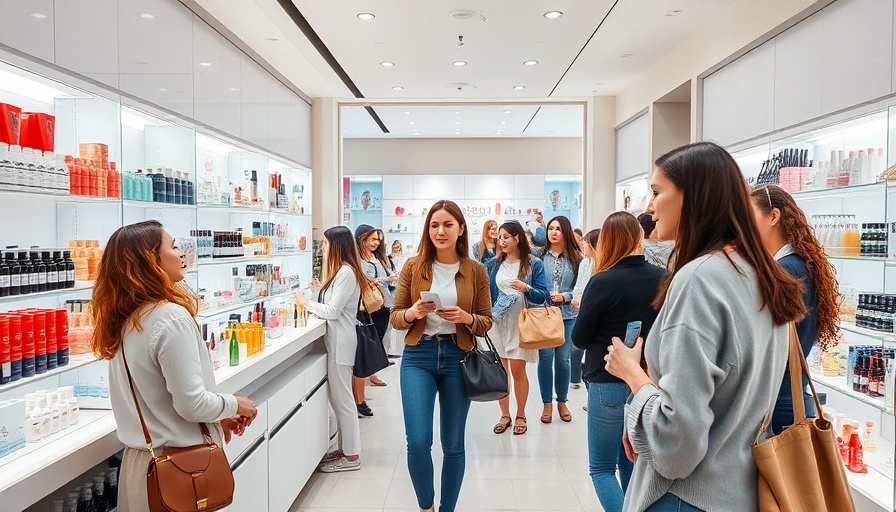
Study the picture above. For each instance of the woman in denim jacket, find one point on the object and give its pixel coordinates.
(514, 275)
(561, 257)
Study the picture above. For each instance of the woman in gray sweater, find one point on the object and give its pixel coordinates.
(718, 348)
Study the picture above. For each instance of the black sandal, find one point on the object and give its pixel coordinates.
(519, 430)
(502, 427)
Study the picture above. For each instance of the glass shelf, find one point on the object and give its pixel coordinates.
(79, 286)
(839, 384)
(241, 305)
(232, 208)
(227, 261)
(886, 337)
(65, 198)
(824, 193)
(281, 211)
(366, 210)
(73, 363)
(132, 203)
(876, 259)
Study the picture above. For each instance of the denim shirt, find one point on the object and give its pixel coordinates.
(567, 282)
(537, 296)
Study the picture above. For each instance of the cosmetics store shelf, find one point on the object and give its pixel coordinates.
(839, 384)
(282, 211)
(888, 337)
(62, 198)
(52, 462)
(73, 363)
(229, 261)
(240, 305)
(871, 259)
(130, 203)
(289, 253)
(824, 193)
(874, 485)
(233, 208)
(231, 379)
(389, 232)
(79, 286)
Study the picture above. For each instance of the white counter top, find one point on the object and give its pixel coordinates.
(41, 468)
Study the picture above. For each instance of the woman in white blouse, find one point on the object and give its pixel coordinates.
(338, 304)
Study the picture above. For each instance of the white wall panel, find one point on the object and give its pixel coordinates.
(799, 72)
(756, 92)
(633, 148)
(720, 105)
(301, 132)
(430, 188)
(488, 187)
(208, 82)
(399, 187)
(253, 92)
(231, 82)
(87, 38)
(528, 186)
(858, 52)
(26, 33)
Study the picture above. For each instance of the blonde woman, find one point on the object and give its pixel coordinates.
(484, 249)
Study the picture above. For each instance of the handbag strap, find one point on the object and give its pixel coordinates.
(146, 436)
(360, 304)
(798, 368)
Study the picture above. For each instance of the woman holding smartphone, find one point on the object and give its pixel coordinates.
(620, 292)
(561, 257)
(718, 348)
(435, 344)
(338, 304)
(515, 275)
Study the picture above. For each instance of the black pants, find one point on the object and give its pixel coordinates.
(381, 321)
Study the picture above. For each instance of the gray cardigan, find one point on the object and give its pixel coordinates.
(339, 307)
(717, 361)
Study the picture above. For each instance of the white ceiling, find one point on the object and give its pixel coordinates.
(420, 38)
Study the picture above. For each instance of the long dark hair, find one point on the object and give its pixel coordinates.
(801, 237)
(130, 277)
(342, 251)
(716, 212)
(427, 254)
(570, 247)
(514, 228)
(380, 252)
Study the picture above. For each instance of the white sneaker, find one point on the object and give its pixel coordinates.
(339, 465)
(332, 456)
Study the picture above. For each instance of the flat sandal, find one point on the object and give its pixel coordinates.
(519, 430)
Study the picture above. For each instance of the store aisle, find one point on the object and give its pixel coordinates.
(545, 469)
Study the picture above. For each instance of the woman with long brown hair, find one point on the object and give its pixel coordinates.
(140, 309)
(436, 342)
(621, 291)
(338, 303)
(718, 348)
(790, 239)
(561, 257)
(486, 248)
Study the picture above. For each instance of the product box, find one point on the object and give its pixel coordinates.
(91, 385)
(38, 131)
(12, 426)
(10, 120)
(95, 152)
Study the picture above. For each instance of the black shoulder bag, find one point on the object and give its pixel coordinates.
(370, 356)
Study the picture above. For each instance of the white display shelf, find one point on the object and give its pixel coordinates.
(366, 210)
(79, 286)
(886, 337)
(64, 198)
(839, 384)
(281, 211)
(240, 305)
(53, 462)
(824, 193)
(227, 261)
(132, 203)
(870, 259)
(232, 208)
(73, 363)
(875, 485)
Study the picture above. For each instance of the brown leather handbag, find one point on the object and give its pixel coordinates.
(800, 469)
(540, 327)
(186, 479)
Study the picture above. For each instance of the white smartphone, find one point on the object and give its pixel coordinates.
(432, 297)
(632, 331)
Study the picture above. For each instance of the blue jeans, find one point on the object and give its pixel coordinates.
(553, 367)
(577, 365)
(428, 368)
(606, 421)
(671, 503)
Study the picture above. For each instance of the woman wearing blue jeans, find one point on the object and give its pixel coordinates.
(438, 338)
(561, 256)
(620, 292)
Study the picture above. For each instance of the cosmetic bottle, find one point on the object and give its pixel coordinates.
(62, 358)
(869, 437)
(39, 319)
(85, 502)
(59, 264)
(39, 282)
(112, 486)
(234, 348)
(69, 269)
(52, 270)
(100, 498)
(5, 278)
(15, 273)
(15, 347)
(29, 365)
(52, 342)
(5, 351)
(28, 273)
(73, 409)
(855, 462)
(253, 188)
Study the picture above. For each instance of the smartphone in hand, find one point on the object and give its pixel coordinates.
(632, 331)
(432, 297)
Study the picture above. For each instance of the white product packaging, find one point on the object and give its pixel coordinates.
(12, 426)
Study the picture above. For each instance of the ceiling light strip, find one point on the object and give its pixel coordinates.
(296, 16)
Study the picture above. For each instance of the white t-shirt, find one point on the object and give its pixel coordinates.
(443, 284)
(507, 273)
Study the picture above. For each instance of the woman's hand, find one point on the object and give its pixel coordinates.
(315, 283)
(391, 279)
(419, 310)
(575, 304)
(455, 315)
(625, 363)
(300, 299)
(245, 411)
(519, 286)
(629, 451)
(557, 298)
(232, 427)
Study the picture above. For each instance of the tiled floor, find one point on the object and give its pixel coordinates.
(544, 470)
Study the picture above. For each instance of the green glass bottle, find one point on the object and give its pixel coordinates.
(234, 347)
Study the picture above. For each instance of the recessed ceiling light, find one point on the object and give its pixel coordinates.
(457, 132)
(499, 132)
(673, 12)
(599, 83)
(162, 89)
(387, 64)
(457, 122)
(38, 15)
(233, 89)
(459, 63)
(416, 133)
(271, 39)
(457, 111)
(146, 15)
(408, 112)
(552, 15)
(519, 87)
(506, 111)
(205, 64)
(626, 55)
(530, 63)
(411, 122)
(397, 88)
(366, 16)
(502, 122)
